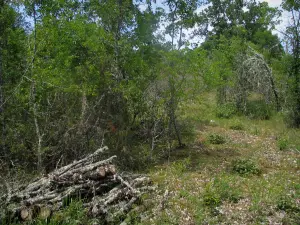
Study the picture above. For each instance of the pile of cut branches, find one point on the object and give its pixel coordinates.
(105, 193)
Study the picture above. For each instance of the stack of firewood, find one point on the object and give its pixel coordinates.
(104, 192)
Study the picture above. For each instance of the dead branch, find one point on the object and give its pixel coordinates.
(103, 192)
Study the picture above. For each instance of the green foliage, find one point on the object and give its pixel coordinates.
(237, 126)
(230, 19)
(226, 189)
(288, 204)
(255, 131)
(258, 109)
(226, 111)
(187, 129)
(283, 144)
(220, 189)
(181, 166)
(137, 158)
(102, 73)
(245, 167)
(211, 199)
(75, 213)
(216, 139)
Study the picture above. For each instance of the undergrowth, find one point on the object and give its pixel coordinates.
(243, 174)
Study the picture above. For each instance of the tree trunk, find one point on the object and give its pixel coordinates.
(296, 70)
(172, 116)
(34, 102)
(37, 127)
(3, 138)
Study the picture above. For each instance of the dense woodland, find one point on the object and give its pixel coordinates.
(79, 75)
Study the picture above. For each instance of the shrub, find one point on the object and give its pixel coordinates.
(287, 203)
(226, 110)
(226, 191)
(75, 213)
(255, 131)
(216, 139)
(282, 144)
(181, 166)
(211, 197)
(245, 167)
(258, 110)
(237, 126)
(219, 190)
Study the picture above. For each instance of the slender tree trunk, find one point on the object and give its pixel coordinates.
(83, 108)
(177, 131)
(172, 116)
(3, 137)
(180, 38)
(1, 83)
(34, 101)
(117, 39)
(37, 127)
(278, 106)
(296, 68)
(172, 102)
(297, 84)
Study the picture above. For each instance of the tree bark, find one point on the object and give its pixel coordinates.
(3, 137)
(104, 192)
(33, 92)
(3, 125)
(37, 127)
(296, 67)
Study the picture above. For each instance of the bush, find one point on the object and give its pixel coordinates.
(292, 119)
(258, 110)
(226, 110)
(237, 126)
(287, 203)
(181, 166)
(216, 139)
(211, 197)
(245, 167)
(226, 190)
(282, 144)
(219, 190)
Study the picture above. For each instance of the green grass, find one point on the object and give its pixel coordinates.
(236, 170)
(246, 179)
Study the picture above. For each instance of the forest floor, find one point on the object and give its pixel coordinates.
(233, 171)
(237, 171)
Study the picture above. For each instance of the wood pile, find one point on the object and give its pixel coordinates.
(105, 193)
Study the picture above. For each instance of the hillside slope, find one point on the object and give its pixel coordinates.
(238, 171)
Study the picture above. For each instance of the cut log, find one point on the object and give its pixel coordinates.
(96, 182)
(26, 214)
(45, 212)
